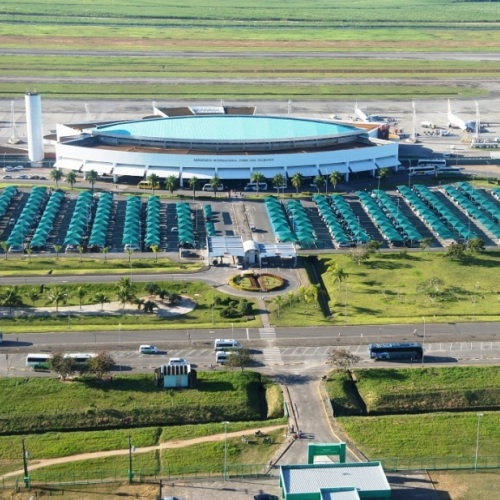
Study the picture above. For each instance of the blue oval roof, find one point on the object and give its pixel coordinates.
(226, 128)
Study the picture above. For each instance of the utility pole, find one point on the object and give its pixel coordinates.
(25, 465)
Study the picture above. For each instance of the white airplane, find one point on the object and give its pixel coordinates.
(456, 122)
(364, 117)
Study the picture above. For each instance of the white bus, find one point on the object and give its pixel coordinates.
(430, 166)
(81, 357)
(38, 360)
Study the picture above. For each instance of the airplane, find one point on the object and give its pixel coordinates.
(455, 122)
(364, 117)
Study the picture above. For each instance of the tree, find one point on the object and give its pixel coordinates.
(319, 182)
(342, 358)
(171, 183)
(33, 294)
(297, 180)
(149, 306)
(105, 251)
(130, 252)
(71, 178)
(101, 298)
(360, 254)
(58, 295)
(80, 251)
(257, 177)
(425, 243)
(154, 249)
(335, 177)
(155, 181)
(5, 248)
(239, 358)
(81, 293)
(152, 288)
(126, 292)
(10, 297)
(92, 176)
(385, 174)
(101, 364)
(430, 288)
(278, 182)
(216, 184)
(455, 251)
(279, 300)
(56, 175)
(57, 249)
(194, 184)
(28, 251)
(476, 245)
(373, 246)
(337, 273)
(63, 366)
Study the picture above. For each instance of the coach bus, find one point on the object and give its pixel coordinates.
(38, 361)
(408, 350)
(81, 358)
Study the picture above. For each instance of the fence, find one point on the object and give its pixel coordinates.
(42, 478)
(439, 463)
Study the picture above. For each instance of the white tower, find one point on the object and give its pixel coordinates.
(33, 103)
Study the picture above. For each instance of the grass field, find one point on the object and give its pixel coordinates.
(464, 291)
(424, 436)
(126, 401)
(259, 28)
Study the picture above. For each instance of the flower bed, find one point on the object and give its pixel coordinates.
(265, 282)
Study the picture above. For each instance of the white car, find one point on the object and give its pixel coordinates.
(148, 349)
(8, 168)
(178, 362)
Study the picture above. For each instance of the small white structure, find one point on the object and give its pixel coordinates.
(33, 103)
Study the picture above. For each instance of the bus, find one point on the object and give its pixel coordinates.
(428, 167)
(252, 186)
(402, 350)
(38, 361)
(81, 358)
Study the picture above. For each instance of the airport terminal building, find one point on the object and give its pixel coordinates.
(230, 143)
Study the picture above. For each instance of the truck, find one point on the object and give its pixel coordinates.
(428, 125)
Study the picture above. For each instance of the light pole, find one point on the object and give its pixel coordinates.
(479, 415)
(378, 187)
(120, 340)
(25, 466)
(423, 342)
(130, 469)
(225, 449)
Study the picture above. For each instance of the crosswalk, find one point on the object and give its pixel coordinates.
(272, 355)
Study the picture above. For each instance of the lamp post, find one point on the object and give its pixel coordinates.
(479, 415)
(225, 449)
(378, 186)
(423, 342)
(130, 469)
(25, 465)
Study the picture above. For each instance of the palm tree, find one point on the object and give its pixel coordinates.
(318, 182)
(105, 251)
(171, 183)
(91, 176)
(125, 295)
(81, 292)
(56, 175)
(10, 297)
(154, 249)
(278, 182)
(155, 181)
(71, 178)
(338, 274)
(335, 178)
(257, 177)
(57, 249)
(215, 183)
(194, 184)
(33, 294)
(297, 180)
(57, 294)
(384, 174)
(279, 300)
(29, 251)
(80, 251)
(101, 298)
(5, 248)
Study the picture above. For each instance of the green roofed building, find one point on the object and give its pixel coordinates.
(334, 481)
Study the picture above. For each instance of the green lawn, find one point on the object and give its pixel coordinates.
(424, 436)
(466, 290)
(41, 404)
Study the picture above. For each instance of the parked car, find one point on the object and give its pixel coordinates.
(24, 176)
(8, 168)
(18, 168)
(16, 249)
(7, 177)
(148, 349)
